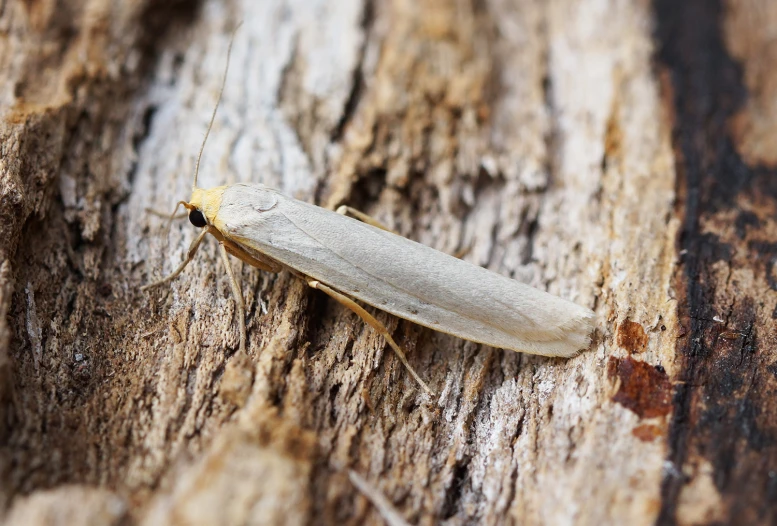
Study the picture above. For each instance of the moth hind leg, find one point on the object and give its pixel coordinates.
(361, 216)
(364, 218)
(375, 324)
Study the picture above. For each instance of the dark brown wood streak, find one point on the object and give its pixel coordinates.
(724, 403)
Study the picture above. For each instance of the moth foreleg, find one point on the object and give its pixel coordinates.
(240, 307)
(189, 256)
(364, 218)
(374, 323)
(166, 215)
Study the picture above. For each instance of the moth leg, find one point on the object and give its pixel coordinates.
(364, 218)
(260, 262)
(374, 323)
(189, 256)
(166, 215)
(240, 308)
(462, 252)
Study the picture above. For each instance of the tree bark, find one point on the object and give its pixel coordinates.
(618, 154)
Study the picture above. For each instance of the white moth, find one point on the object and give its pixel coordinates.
(357, 259)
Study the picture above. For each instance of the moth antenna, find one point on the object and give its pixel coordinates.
(215, 108)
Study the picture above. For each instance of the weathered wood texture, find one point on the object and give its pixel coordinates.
(617, 153)
(720, 61)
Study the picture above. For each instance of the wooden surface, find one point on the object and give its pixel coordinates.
(616, 153)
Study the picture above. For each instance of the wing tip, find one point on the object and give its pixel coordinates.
(577, 334)
(573, 336)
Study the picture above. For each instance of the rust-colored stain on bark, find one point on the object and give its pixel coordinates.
(631, 336)
(647, 432)
(643, 388)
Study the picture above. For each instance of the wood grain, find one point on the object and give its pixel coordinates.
(612, 152)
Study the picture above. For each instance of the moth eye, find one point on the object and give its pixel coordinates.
(197, 219)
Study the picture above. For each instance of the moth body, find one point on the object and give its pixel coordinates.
(394, 274)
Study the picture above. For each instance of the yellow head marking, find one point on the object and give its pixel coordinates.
(208, 201)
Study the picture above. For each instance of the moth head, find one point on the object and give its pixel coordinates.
(204, 205)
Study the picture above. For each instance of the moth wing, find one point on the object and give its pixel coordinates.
(400, 276)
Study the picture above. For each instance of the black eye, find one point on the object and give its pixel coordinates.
(197, 219)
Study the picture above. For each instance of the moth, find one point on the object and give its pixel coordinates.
(355, 259)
